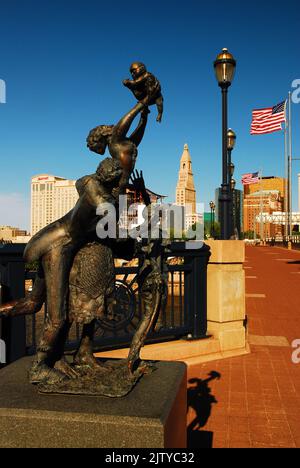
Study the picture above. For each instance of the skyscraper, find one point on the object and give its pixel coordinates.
(237, 208)
(51, 198)
(185, 190)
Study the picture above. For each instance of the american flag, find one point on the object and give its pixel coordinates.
(268, 120)
(252, 178)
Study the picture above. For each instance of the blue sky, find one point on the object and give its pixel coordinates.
(63, 62)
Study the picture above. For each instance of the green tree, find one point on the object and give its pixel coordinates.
(208, 230)
(249, 235)
(178, 237)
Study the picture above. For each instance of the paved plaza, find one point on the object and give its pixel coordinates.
(254, 400)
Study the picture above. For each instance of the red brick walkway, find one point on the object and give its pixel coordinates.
(254, 400)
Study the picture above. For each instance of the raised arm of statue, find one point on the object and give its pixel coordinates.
(121, 128)
(138, 134)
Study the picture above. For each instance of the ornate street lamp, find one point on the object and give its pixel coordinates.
(231, 139)
(231, 169)
(225, 66)
(212, 218)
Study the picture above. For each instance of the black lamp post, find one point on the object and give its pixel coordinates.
(224, 68)
(212, 218)
(231, 139)
(233, 205)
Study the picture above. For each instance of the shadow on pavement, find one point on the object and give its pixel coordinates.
(200, 399)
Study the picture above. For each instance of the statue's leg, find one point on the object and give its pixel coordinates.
(32, 303)
(56, 264)
(159, 323)
(151, 299)
(84, 355)
(160, 108)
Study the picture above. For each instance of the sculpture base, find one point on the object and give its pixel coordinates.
(111, 379)
(152, 415)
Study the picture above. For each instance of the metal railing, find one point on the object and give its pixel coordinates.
(284, 242)
(12, 281)
(183, 315)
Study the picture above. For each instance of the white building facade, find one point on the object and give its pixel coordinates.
(185, 190)
(51, 198)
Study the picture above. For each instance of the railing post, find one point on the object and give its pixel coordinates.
(195, 293)
(226, 306)
(12, 279)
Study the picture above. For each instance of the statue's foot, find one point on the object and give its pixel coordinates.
(65, 368)
(137, 367)
(40, 372)
(87, 361)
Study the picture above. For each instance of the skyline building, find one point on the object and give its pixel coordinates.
(51, 198)
(266, 196)
(237, 208)
(185, 190)
(13, 235)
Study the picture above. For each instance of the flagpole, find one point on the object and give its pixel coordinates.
(286, 170)
(290, 165)
(261, 210)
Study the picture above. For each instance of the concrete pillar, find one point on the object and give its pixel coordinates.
(226, 293)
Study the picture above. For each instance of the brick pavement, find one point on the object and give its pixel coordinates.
(254, 400)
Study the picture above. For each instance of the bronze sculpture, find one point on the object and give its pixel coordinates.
(91, 297)
(57, 244)
(76, 272)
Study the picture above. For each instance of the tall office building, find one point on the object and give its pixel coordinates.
(51, 198)
(267, 184)
(185, 190)
(237, 208)
(266, 196)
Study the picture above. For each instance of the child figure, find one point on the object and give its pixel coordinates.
(145, 85)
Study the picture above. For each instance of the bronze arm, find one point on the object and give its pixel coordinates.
(121, 128)
(134, 83)
(138, 134)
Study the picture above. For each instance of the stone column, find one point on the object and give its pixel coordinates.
(226, 293)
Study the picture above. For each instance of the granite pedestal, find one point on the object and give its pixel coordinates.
(153, 415)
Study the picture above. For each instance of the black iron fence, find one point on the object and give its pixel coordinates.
(184, 314)
(293, 242)
(12, 284)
